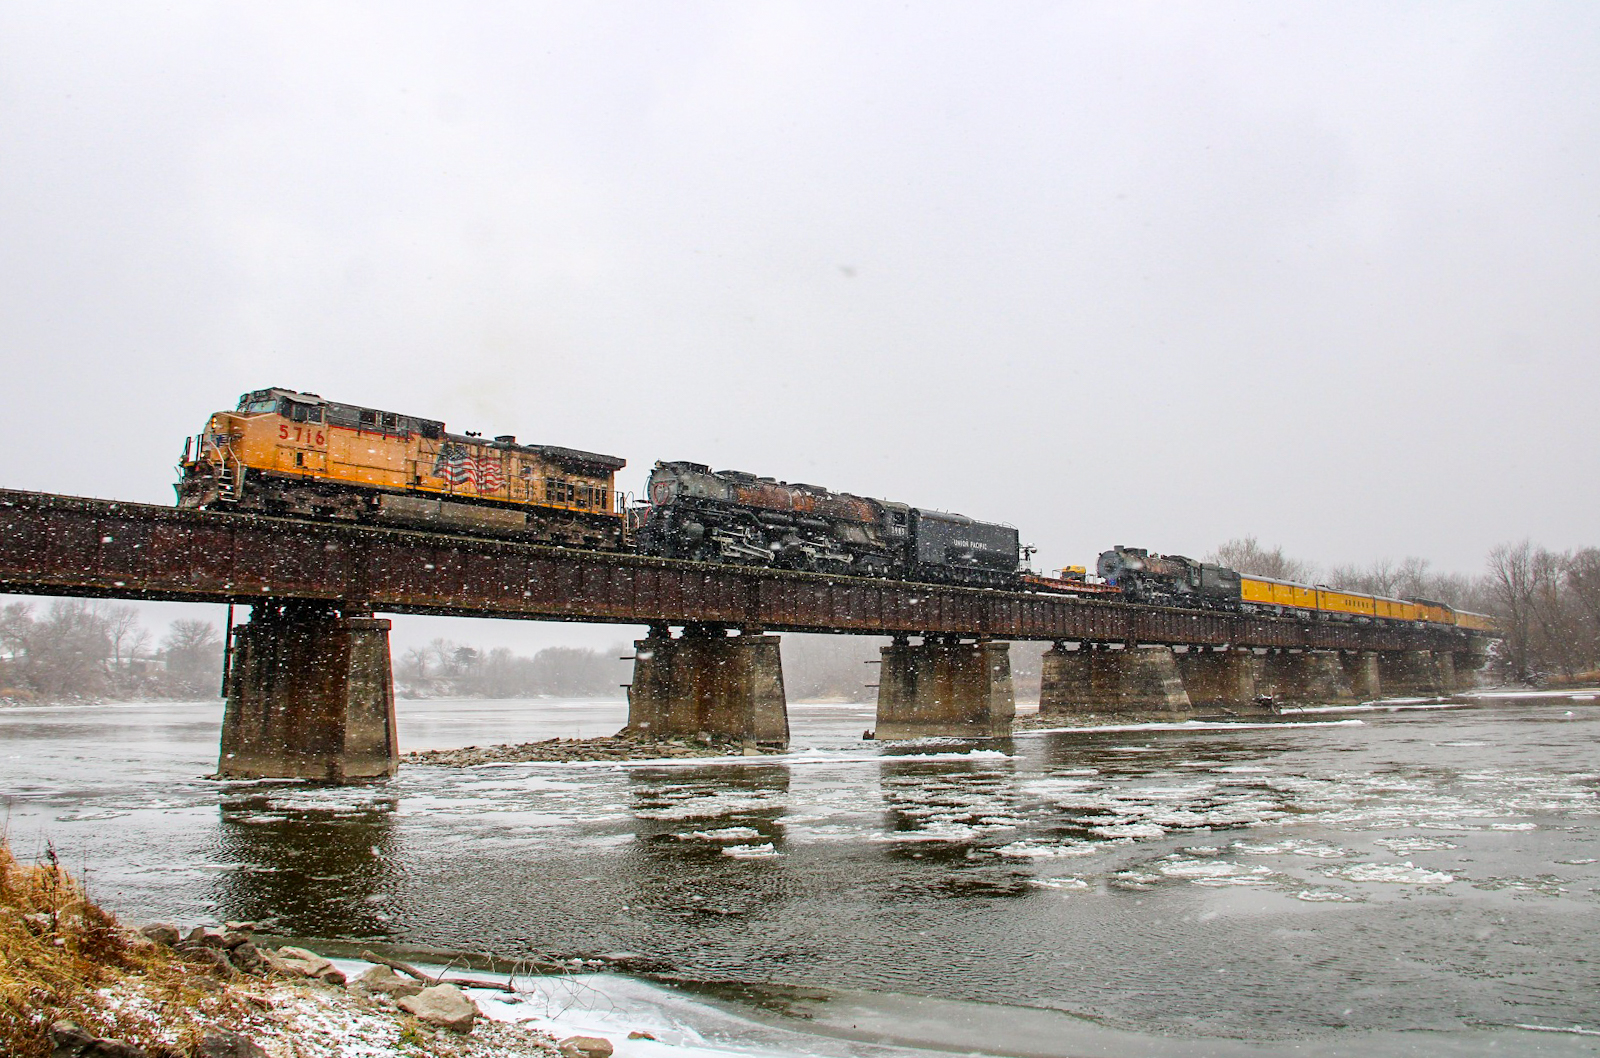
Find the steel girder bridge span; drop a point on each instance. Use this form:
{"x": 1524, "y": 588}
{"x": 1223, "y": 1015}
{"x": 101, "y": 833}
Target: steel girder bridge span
{"x": 310, "y": 692}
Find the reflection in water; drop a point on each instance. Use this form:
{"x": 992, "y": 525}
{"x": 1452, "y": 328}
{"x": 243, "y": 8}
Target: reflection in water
{"x": 953, "y": 814}
{"x": 1267, "y": 883}
{"x": 309, "y": 871}
{"x": 709, "y": 842}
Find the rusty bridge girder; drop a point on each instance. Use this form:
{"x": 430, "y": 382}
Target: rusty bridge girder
{"x": 75, "y": 546}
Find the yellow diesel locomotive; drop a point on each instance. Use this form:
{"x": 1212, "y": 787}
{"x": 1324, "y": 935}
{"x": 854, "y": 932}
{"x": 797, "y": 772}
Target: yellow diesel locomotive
{"x": 289, "y": 453}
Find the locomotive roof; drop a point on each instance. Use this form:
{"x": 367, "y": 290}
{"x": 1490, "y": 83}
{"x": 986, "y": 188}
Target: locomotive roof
{"x": 1342, "y": 591}
{"x": 568, "y": 457}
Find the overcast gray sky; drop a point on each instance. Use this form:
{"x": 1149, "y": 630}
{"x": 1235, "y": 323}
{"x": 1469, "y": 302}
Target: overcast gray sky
{"x": 1151, "y": 274}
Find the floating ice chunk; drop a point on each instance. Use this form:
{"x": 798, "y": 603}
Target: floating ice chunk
{"x": 1415, "y": 844}
{"x": 1325, "y": 896}
{"x": 1214, "y": 872}
{"x": 721, "y": 834}
{"x": 752, "y": 852}
{"x": 1135, "y": 878}
{"x": 1321, "y": 852}
{"x": 1128, "y": 830}
{"x": 1405, "y": 873}
{"x": 1032, "y": 850}
{"x": 1059, "y": 883}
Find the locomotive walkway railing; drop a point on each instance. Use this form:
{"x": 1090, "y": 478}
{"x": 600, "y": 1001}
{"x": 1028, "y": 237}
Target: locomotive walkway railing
{"x": 65, "y": 545}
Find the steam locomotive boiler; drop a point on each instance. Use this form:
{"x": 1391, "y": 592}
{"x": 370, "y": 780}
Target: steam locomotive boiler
{"x": 1168, "y": 580}
{"x": 730, "y": 516}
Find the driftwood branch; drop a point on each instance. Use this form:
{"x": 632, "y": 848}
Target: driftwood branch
{"x": 412, "y": 971}
{"x": 396, "y": 964}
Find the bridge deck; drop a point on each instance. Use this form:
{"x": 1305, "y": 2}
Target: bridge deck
{"x": 67, "y": 545}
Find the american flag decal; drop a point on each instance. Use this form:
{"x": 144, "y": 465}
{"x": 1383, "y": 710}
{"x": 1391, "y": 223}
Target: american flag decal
{"x": 457, "y": 465}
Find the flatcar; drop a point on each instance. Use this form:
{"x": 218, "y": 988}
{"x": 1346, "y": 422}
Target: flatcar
{"x": 291, "y": 453}
{"x": 1173, "y": 580}
{"x": 731, "y": 516}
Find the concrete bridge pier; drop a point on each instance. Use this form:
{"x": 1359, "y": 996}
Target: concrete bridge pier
{"x": 310, "y": 696}
{"x": 1220, "y": 679}
{"x": 1361, "y": 669}
{"x": 707, "y": 682}
{"x": 1307, "y": 676}
{"x": 1063, "y": 679}
{"x": 1467, "y": 665}
{"x": 945, "y": 688}
{"x": 1444, "y": 668}
{"x": 1142, "y": 682}
{"x": 1408, "y": 672}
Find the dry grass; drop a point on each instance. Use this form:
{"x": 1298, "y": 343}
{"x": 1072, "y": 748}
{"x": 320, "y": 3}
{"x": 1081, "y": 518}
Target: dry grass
{"x": 61, "y": 956}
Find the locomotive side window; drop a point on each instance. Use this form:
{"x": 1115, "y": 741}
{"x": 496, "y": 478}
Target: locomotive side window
{"x": 558, "y": 491}
{"x": 368, "y": 419}
{"x": 391, "y": 422}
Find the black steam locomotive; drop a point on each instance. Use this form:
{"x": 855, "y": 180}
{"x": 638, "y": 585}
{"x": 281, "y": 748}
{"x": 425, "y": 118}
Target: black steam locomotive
{"x": 730, "y": 516}
{"x": 1168, "y": 580}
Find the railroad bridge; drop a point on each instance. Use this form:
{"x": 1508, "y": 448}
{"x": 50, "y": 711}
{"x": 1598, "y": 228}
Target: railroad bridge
{"x": 310, "y": 693}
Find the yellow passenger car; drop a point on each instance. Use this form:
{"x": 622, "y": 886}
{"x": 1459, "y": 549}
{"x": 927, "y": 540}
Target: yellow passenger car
{"x": 1277, "y": 594}
{"x": 284, "y": 452}
{"x": 1344, "y": 605}
{"x": 1394, "y": 609}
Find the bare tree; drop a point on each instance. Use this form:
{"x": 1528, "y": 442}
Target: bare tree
{"x": 414, "y": 664}
{"x": 1583, "y": 580}
{"x": 194, "y": 656}
{"x": 1379, "y": 578}
{"x": 1513, "y": 585}
{"x": 64, "y": 654}
{"x": 122, "y": 629}
{"x": 444, "y": 651}
{"x": 1246, "y": 555}
{"x": 16, "y": 621}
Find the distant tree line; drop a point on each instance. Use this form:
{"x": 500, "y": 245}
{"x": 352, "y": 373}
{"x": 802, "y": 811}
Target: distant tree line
{"x": 1547, "y": 602}
{"x": 78, "y": 650}
{"x": 445, "y": 669}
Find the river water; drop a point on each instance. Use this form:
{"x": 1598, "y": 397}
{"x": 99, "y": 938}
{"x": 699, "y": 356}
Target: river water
{"x": 1415, "y": 879}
